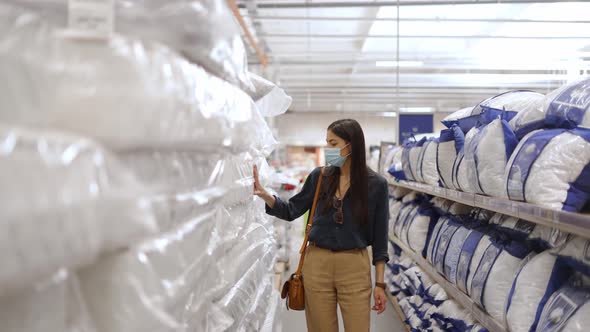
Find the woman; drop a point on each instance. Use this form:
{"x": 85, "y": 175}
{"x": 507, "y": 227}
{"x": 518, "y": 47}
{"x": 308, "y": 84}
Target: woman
{"x": 352, "y": 214}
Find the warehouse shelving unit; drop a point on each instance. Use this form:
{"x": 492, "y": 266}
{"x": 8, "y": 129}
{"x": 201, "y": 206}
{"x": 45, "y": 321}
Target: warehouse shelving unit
{"x": 575, "y": 223}
{"x": 478, "y": 313}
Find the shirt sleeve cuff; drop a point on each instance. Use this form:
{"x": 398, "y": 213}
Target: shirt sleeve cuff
{"x": 273, "y": 211}
{"x": 380, "y": 258}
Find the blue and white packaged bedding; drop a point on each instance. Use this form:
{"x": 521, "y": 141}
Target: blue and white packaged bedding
{"x": 465, "y": 119}
{"x": 459, "y": 177}
{"x": 538, "y": 278}
{"x": 569, "y": 106}
{"x": 486, "y": 153}
{"x": 427, "y": 164}
{"x": 509, "y": 104}
{"x": 495, "y": 274}
{"x": 410, "y": 156}
{"x": 567, "y": 310}
{"x": 551, "y": 168}
{"x": 450, "y": 143}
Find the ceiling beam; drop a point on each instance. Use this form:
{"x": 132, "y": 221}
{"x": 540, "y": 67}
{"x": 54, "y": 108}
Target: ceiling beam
{"x": 403, "y": 3}
{"x": 412, "y": 19}
{"x": 284, "y": 36}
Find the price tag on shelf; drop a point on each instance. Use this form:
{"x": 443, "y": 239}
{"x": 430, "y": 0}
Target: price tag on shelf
{"x": 92, "y": 19}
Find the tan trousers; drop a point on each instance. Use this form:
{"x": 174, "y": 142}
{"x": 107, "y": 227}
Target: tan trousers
{"x": 342, "y": 278}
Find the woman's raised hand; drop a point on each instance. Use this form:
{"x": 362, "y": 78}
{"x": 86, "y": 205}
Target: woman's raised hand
{"x": 260, "y": 191}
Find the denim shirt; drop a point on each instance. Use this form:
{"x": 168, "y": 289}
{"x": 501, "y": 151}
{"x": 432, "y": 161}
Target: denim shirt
{"x": 326, "y": 233}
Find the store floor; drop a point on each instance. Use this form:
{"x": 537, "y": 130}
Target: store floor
{"x": 294, "y": 321}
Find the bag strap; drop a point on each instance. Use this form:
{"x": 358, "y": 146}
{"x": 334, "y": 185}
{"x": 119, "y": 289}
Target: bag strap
{"x": 309, "y": 223}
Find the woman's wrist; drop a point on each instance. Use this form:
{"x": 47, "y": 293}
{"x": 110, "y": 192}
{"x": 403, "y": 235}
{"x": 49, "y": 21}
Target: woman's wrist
{"x": 269, "y": 199}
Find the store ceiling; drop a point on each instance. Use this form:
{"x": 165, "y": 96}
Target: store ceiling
{"x": 348, "y": 56}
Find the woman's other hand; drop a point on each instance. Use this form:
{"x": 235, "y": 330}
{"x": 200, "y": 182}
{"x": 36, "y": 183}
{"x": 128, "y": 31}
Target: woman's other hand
{"x": 261, "y": 192}
{"x": 380, "y": 300}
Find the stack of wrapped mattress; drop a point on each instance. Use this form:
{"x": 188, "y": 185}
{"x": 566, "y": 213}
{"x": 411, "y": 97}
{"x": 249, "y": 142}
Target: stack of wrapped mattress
{"x": 127, "y": 170}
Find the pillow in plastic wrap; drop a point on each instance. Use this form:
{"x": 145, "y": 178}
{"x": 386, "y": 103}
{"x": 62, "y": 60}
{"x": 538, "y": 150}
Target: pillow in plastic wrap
{"x": 427, "y": 165}
{"x": 510, "y": 104}
{"x": 52, "y": 305}
{"x": 531, "y": 117}
{"x": 197, "y": 29}
{"x": 404, "y": 220}
{"x": 410, "y": 160}
{"x": 122, "y": 92}
{"x": 576, "y": 253}
{"x": 419, "y": 279}
{"x": 465, "y": 119}
{"x": 516, "y": 228}
{"x": 496, "y": 271}
{"x": 65, "y": 201}
{"x": 450, "y": 143}
{"x": 392, "y": 165}
{"x": 270, "y": 99}
{"x": 442, "y": 243}
{"x": 486, "y": 155}
{"x": 432, "y": 242}
{"x": 551, "y": 168}
{"x": 568, "y": 310}
{"x": 450, "y": 312}
{"x": 418, "y": 228}
{"x": 436, "y": 294}
{"x": 459, "y": 177}
{"x": 569, "y": 106}
{"x": 538, "y": 278}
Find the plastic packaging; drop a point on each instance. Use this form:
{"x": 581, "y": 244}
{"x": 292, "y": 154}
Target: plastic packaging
{"x": 270, "y": 99}
{"x": 509, "y": 104}
{"x": 460, "y": 167}
{"x": 568, "y": 310}
{"x": 569, "y": 106}
{"x": 486, "y": 155}
{"x": 465, "y": 119}
{"x": 122, "y": 92}
{"x": 54, "y": 304}
{"x": 536, "y": 281}
{"x": 65, "y": 201}
{"x": 451, "y": 142}
{"x": 428, "y": 170}
{"x": 181, "y": 278}
{"x": 204, "y": 31}
{"x": 551, "y": 168}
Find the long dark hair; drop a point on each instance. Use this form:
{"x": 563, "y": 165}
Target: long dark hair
{"x": 351, "y": 132}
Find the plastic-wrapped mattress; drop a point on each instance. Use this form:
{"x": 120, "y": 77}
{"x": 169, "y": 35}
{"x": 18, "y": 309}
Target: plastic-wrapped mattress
{"x": 66, "y": 200}
{"x": 200, "y": 30}
{"x": 124, "y": 93}
{"x": 551, "y": 168}
{"x": 175, "y": 279}
{"x": 486, "y": 155}
{"x": 52, "y": 305}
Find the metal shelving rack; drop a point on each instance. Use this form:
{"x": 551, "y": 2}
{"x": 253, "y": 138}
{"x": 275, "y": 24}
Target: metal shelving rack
{"x": 575, "y": 223}
{"x": 478, "y": 314}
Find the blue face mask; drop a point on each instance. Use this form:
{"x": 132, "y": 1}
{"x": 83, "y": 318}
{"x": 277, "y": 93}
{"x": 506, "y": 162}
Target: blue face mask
{"x": 334, "y": 158}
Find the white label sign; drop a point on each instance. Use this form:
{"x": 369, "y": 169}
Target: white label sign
{"x": 91, "y": 18}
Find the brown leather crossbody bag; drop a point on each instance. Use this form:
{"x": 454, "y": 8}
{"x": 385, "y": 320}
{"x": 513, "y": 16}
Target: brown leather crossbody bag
{"x": 293, "y": 290}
